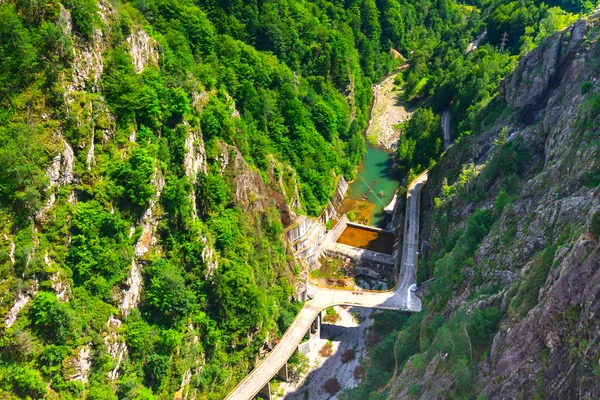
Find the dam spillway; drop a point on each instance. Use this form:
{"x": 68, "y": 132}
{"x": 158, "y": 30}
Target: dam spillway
{"x": 369, "y": 239}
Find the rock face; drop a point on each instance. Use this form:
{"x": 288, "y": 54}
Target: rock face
{"x": 249, "y": 190}
{"x": 142, "y": 49}
{"x": 549, "y": 350}
{"x": 538, "y": 72}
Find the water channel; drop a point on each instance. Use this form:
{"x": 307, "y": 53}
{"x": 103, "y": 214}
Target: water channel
{"x": 375, "y": 183}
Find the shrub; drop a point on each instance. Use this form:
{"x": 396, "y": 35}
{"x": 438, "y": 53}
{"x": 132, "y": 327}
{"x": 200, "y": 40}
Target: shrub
{"x": 134, "y": 177}
{"x": 167, "y": 296}
{"x": 347, "y": 356}
{"x": 586, "y": 87}
{"x": 351, "y": 216}
{"x": 326, "y": 350}
{"x": 28, "y": 382}
{"x": 484, "y": 325}
{"x": 358, "y": 373}
{"x": 53, "y": 319}
{"x": 595, "y": 225}
{"x": 332, "y": 386}
{"x": 331, "y": 316}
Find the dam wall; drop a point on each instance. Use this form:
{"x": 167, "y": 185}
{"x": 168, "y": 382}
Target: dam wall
{"x": 308, "y": 237}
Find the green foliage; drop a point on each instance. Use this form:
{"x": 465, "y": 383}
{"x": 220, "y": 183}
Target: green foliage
{"x": 167, "y": 297}
{"x": 98, "y": 255}
{"x": 83, "y": 16}
{"x": 484, "y": 325}
{"x": 527, "y": 296}
{"x": 241, "y": 301}
{"x": 421, "y": 142}
{"x": 133, "y": 178}
{"x": 28, "y": 382}
{"x": 22, "y": 182}
{"x": 595, "y": 225}
{"x": 156, "y": 370}
{"x": 213, "y": 193}
{"x": 18, "y": 55}
{"x": 286, "y": 83}
{"x": 462, "y": 376}
{"x": 586, "y": 87}
{"x": 52, "y": 319}
{"x": 351, "y": 216}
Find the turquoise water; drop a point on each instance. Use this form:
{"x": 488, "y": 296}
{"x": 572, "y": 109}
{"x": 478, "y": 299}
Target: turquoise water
{"x": 375, "y": 172}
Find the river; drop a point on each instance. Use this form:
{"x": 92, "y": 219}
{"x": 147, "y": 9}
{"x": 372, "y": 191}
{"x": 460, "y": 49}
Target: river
{"x": 375, "y": 183}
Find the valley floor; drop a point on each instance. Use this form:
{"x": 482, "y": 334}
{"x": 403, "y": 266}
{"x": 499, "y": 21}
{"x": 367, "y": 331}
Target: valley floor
{"x": 350, "y": 332}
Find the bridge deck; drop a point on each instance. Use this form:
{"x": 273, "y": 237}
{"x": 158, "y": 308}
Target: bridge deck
{"x": 399, "y": 298}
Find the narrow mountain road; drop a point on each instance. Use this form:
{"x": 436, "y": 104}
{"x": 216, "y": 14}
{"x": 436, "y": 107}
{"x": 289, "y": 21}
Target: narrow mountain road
{"x": 398, "y": 298}
{"x": 446, "y": 129}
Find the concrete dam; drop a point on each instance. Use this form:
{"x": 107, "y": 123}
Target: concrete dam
{"x": 310, "y": 237}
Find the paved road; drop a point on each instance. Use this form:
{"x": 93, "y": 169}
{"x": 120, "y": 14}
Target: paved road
{"x": 446, "y": 129}
{"x": 399, "y": 298}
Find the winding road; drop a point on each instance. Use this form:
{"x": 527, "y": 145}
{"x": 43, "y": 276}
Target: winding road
{"x": 397, "y": 298}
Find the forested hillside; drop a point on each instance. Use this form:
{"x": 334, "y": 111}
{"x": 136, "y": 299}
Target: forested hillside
{"x": 511, "y": 215}
{"x": 152, "y": 151}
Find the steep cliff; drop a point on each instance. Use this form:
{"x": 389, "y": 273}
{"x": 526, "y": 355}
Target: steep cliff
{"x": 512, "y": 217}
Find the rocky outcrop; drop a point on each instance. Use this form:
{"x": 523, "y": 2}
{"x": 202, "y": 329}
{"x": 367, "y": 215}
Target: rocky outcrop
{"x": 142, "y": 49}
{"x": 537, "y": 73}
{"x": 209, "y": 258}
{"x": 88, "y": 62}
{"x": 195, "y": 156}
{"x": 249, "y": 190}
{"x": 81, "y": 363}
{"x": 22, "y": 300}
{"x": 60, "y": 171}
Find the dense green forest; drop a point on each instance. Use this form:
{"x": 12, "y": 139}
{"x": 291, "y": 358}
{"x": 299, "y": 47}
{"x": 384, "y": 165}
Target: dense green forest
{"x": 100, "y": 105}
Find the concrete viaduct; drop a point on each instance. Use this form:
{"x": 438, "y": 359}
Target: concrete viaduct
{"x": 397, "y": 298}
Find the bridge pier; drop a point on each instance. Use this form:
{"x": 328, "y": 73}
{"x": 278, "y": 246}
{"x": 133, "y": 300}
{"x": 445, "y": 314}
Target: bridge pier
{"x": 316, "y": 325}
{"x": 265, "y": 392}
{"x": 283, "y": 373}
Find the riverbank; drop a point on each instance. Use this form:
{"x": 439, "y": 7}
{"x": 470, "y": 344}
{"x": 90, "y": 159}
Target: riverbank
{"x": 387, "y": 113}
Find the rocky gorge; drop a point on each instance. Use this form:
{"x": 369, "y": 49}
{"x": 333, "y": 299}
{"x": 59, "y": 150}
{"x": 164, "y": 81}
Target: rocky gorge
{"x": 529, "y": 178}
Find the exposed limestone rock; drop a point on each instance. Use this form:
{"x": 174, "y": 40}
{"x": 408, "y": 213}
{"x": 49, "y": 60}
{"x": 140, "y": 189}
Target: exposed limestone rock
{"x": 149, "y": 219}
{"x": 195, "y": 155}
{"x": 88, "y": 62}
{"x": 549, "y": 349}
{"x": 60, "y": 286}
{"x": 537, "y": 72}
{"x": 82, "y": 363}
{"x": 41, "y": 214}
{"x": 90, "y": 159}
{"x": 250, "y": 192}
{"x": 199, "y": 100}
{"x": 60, "y": 171}
{"x": 64, "y": 21}
{"x": 22, "y": 300}
{"x": 116, "y": 348}
{"x": 131, "y": 296}
{"x": 209, "y": 258}
{"x": 142, "y": 49}
{"x": 11, "y": 253}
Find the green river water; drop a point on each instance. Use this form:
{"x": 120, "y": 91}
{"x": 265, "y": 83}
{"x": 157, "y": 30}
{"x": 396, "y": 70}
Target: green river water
{"x": 376, "y": 173}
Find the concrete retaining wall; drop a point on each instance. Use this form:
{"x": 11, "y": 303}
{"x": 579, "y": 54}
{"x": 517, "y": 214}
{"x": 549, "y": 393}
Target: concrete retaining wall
{"x": 362, "y": 257}
{"x": 334, "y": 204}
{"x": 299, "y": 229}
{"x": 370, "y": 228}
